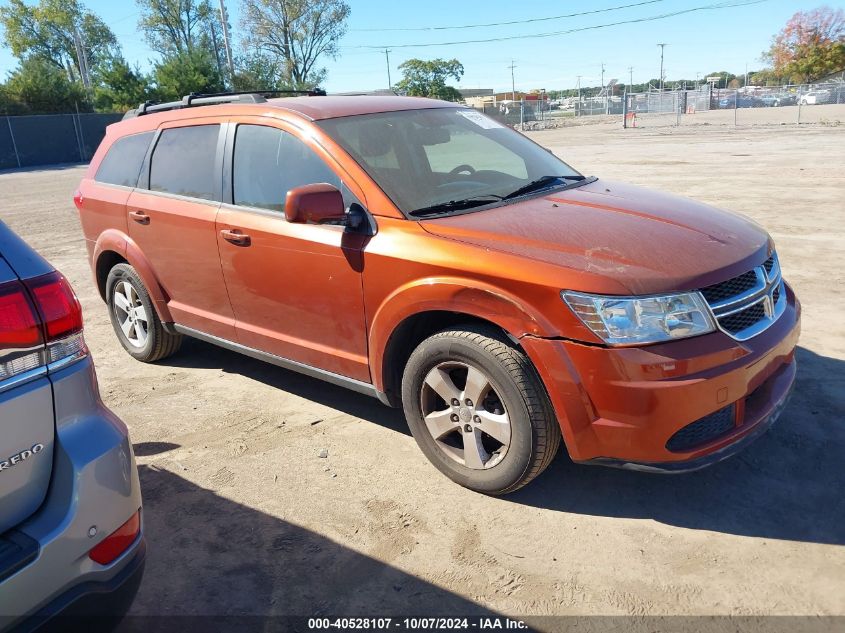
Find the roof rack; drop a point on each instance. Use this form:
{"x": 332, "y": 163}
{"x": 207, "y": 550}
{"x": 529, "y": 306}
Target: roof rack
{"x": 196, "y": 99}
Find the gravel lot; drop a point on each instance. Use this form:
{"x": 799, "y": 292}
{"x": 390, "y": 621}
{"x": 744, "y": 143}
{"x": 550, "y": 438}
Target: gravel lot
{"x": 243, "y": 517}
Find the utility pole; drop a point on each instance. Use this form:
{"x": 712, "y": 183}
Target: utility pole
{"x": 81, "y": 58}
{"x": 578, "y": 110}
{"x": 662, "y": 46}
{"x": 513, "y": 82}
{"x": 387, "y": 59}
{"x": 746, "y": 74}
{"x": 631, "y": 76}
{"x": 602, "y": 76}
{"x": 224, "y": 19}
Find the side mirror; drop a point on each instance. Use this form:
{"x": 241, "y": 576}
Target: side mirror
{"x": 320, "y": 203}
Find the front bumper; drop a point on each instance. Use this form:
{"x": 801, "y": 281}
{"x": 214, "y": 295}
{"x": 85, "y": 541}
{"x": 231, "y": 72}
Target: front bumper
{"x": 621, "y": 406}
{"x": 94, "y": 483}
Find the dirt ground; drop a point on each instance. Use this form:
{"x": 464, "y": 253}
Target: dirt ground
{"x": 243, "y": 517}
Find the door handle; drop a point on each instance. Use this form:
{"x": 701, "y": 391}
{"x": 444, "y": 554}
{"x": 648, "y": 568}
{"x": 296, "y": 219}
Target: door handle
{"x": 140, "y": 217}
{"x": 235, "y": 237}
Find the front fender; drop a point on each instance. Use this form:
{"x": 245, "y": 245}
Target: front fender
{"x": 113, "y": 240}
{"x": 450, "y": 294}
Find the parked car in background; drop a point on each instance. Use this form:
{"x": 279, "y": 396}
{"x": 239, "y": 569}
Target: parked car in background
{"x": 777, "y": 100}
{"x": 71, "y": 537}
{"x": 420, "y": 252}
{"x": 815, "y": 97}
{"x": 743, "y": 101}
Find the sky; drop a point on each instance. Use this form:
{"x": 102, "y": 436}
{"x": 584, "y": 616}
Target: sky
{"x": 697, "y": 42}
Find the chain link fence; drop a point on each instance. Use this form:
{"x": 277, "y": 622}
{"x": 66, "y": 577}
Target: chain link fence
{"x": 46, "y": 139}
{"x": 701, "y": 105}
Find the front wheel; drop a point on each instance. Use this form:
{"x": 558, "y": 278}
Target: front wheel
{"x": 478, "y": 410}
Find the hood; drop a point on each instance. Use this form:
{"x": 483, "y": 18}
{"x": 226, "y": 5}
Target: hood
{"x": 647, "y": 241}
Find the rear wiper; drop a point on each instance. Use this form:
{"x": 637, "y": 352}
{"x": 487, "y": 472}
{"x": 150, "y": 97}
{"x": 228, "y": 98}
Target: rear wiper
{"x": 457, "y": 205}
{"x": 541, "y": 183}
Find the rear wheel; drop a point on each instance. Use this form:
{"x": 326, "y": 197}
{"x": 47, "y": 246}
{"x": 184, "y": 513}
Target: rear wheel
{"x": 134, "y": 318}
{"x": 478, "y": 410}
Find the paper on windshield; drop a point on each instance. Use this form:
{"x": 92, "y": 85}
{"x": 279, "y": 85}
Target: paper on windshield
{"x": 479, "y": 119}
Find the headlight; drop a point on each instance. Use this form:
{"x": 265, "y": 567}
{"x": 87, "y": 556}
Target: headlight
{"x": 631, "y": 320}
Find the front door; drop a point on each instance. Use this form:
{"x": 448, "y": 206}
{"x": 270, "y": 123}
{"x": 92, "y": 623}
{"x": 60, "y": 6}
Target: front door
{"x": 172, "y": 217}
{"x": 295, "y": 288}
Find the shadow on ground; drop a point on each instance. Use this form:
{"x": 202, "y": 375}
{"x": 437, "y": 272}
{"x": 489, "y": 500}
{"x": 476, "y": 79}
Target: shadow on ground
{"x": 199, "y": 354}
{"x": 786, "y": 485}
{"x": 247, "y": 563}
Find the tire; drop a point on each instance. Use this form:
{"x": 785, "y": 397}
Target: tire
{"x": 479, "y": 361}
{"x": 145, "y": 337}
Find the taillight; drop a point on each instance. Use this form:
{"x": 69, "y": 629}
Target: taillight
{"x": 61, "y": 316}
{"x": 40, "y": 324}
{"x": 117, "y": 542}
{"x": 19, "y": 327}
{"x": 58, "y": 305}
{"x": 20, "y": 332}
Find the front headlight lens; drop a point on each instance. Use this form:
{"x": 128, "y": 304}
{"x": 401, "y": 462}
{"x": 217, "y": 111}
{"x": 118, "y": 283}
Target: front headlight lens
{"x": 632, "y": 320}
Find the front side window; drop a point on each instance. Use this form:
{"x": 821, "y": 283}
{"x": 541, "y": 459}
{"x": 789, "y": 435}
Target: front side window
{"x": 122, "y": 163}
{"x": 446, "y": 158}
{"x": 183, "y": 161}
{"x": 269, "y": 162}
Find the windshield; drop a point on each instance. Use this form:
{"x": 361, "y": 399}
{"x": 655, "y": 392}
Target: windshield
{"x": 446, "y": 159}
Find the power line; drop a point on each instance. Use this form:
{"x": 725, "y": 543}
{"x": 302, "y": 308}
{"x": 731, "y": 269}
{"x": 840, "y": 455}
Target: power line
{"x": 721, "y": 5}
{"x": 512, "y": 22}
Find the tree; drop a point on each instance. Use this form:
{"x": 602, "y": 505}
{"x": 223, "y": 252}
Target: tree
{"x": 122, "y": 87}
{"x": 46, "y": 31}
{"x": 422, "y": 78}
{"x": 295, "y": 34}
{"x": 181, "y": 74}
{"x": 256, "y": 71}
{"x": 38, "y": 86}
{"x": 810, "y": 46}
{"x": 174, "y": 27}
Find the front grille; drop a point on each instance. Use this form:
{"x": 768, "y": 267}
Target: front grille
{"x": 703, "y": 431}
{"x": 749, "y": 303}
{"x": 769, "y": 264}
{"x": 731, "y": 287}
{"x": 743, "y": 320}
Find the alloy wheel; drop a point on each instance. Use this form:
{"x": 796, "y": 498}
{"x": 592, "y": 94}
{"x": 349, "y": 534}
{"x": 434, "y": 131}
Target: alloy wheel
{"x": 131, "y": 314}
{"x": 465, "y": 415}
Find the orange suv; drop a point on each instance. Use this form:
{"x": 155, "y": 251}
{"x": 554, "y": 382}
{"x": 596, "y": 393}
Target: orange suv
{"x": 419, "y": 252}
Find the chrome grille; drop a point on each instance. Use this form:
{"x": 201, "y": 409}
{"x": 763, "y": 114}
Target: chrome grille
{"x": 748, "y": 304}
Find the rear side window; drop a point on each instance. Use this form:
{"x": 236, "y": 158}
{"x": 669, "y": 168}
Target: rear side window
{"x": 268, "y": 162}
{"x": 183, "y": 161}
{"x": 122, "y": 163}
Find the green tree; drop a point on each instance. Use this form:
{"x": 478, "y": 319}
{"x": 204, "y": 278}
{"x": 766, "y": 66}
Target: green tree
{"x": 256, "y": 71}
{"x": 175, "y": 27}
{"x": 46, "y": 31}
{"x": 38, "y": 86}
{"x": 810, "y": 46}
{"x": 178, "y": 75}
{"x": 421, "y": 78}
{"x": 294, "y": 35}
{"x": 121, "y": 88}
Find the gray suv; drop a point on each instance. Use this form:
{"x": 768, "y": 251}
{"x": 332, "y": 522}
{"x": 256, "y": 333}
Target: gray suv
{"x": 71, "y": 530}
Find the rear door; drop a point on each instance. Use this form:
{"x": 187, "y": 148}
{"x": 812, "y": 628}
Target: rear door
{"x": 295, "y": 288}
{"x": 26, "y": 398}
{"x": 172, "y": 215}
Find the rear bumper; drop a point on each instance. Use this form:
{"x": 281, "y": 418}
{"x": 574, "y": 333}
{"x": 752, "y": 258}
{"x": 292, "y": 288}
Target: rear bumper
{"x": 621, "y": 406}
{"x": 95, "y": 602}
{"x": 94, "y": 489}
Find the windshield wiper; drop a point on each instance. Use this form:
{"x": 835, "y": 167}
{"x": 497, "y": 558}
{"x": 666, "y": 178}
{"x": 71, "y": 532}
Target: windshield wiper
{"x": 543, "y": 182}
{"x": 457, "y": 205}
